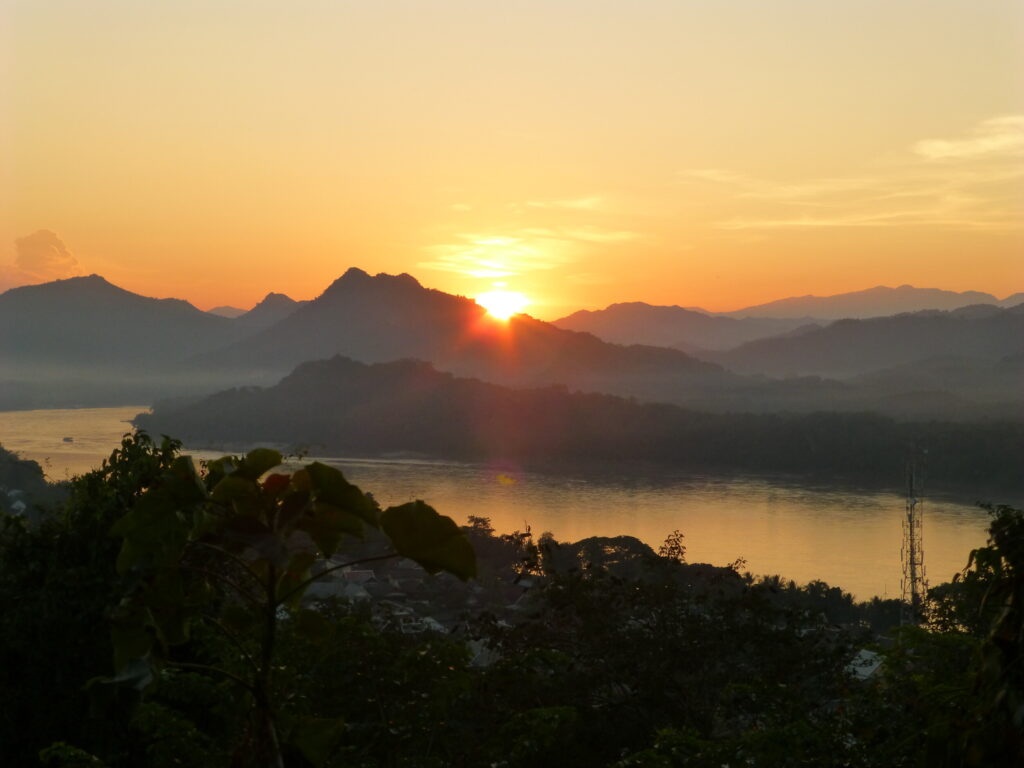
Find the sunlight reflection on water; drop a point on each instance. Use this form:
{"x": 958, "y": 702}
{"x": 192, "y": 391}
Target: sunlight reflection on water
{"x": 849, "y": 537}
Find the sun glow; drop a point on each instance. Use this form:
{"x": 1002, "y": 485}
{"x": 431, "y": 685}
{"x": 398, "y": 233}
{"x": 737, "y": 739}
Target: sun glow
{"x": 502, "y": 304}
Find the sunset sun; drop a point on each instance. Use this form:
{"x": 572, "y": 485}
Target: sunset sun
{"x": 502, "y": 304}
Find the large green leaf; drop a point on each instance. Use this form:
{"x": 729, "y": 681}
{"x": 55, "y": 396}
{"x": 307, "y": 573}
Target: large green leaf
{"x": 233, "y": 489}
{"x": 184, "y": 481}
{"x": 434, "y": 541}
{"x": 248, "y": 535}
{"x": 257, "y": 462}
{"x": 330, "y": 485}
{"x": 154, "y": 533}
{"x": 327, "y": 524}
{"x": 292, "y": 507}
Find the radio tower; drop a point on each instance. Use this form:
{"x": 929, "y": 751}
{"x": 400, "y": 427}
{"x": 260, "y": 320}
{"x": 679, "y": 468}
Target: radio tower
{"x": 915, "y": 588}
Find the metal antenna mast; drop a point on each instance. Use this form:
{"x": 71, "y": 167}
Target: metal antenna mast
{"x": 915, "y": 588}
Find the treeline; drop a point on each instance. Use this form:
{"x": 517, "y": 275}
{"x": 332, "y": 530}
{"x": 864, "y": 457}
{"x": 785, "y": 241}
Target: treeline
{"x": 23, "y": 486}
{"x": 343, "y": 407}
{"x": 612, "y": 655}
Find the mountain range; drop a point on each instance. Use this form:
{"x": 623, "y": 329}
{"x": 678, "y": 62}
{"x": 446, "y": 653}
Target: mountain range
{"x": 84, "y": 341}
{"x": 696, "y": 330}
{"x": 853, "y": 347}
{"x": 89, "y": 321}
{"x": 686, "y": 329}
{"x": 341, "y": 407}
{"x": 873, "y": 302}
{"x": 389, "y": 317}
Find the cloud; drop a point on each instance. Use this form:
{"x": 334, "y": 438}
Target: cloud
{"x": 600, "y": 235}
{"x": 39, "y": 257}
{"x": 44, "y": 255}
{"x": 994, "y": 137}
{"x": 493, "y": 256}
{"x": 585, "y": 234}
{"x": 589, "y": 203}
{"x": 520, "y": 251}
{"x": 719, "y": 175}
{"x": 982, "y": 191}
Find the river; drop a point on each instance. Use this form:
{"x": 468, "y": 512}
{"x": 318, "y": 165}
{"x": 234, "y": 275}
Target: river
{"x": 846, "y": 536}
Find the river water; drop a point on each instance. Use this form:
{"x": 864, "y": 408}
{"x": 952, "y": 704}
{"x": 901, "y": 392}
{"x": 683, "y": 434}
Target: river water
{"x": 847, "y": 536}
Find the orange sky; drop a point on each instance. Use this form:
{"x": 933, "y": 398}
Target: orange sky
{"x": 716, "y": 154}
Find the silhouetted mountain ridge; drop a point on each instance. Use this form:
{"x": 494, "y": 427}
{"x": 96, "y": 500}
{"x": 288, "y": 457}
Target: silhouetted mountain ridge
{"x": 87, "y": 320}
{"x": 853, "y": 347}
{"x": 872, "y": 302}
{"x": 273, "y": 308}
{"x": 227, "y": 311}
{"x": 689, "y": 330}
{"x": 387, "y": 317}
{"x": 345, "y": 408}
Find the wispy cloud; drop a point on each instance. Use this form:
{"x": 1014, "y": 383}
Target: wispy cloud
{"x": 492, "y": 256}
{"x": 520, "y": 251}
{"x": 980, "y": 192}
{"x": 589, "y": 203}
{"x": 584, "y": 234}
{"x": 997, "y": 136}
{"x": 38, "y": 258}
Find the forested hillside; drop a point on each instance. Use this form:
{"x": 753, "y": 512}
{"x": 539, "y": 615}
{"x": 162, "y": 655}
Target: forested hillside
{"x": 341, "y": 407}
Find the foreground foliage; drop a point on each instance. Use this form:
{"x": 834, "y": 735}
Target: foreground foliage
{"x": 596, "y": 653}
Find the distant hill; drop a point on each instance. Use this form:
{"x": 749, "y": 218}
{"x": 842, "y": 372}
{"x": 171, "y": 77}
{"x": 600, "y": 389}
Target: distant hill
{"x": 227, "y": 311}
{"x": 689, "y": 330}
{"x": 853, "y": 347}
{"x": 272, "y": 309}
{"x": 389, "y": 317}
{"x": 85, "y": 342}
{"x": 998, "y": 382}
{"x": 1012, "y": 300}
{"x": 873, "y": 302}
{"x": 89, "y": 321}
{"x": 341, "y": 407}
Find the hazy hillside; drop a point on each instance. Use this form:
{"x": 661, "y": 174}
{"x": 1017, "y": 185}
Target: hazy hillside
{"x": 272, "y": 309}
{"x": 980, "y": 380}
{"x": 639, "y": 323}
{"x": 853, "y": 347}
{"x": 227, "y": 311}
{"x": 84, "y": 341}
{"x": 872, "y": 302}
{"x": 342, "y": 407}
{"x": 388, "y": 317}
{"x": 86, "y": 320}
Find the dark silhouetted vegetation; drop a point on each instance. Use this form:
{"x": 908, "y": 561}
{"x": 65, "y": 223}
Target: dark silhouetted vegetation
{"x": 142, "y": 649}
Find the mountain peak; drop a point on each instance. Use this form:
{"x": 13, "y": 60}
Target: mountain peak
{"x": 273, "y": 299}
{"x": 356, "y": 279}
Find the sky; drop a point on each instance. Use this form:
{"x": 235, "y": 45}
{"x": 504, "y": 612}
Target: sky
{"x": 703, "y": 153}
